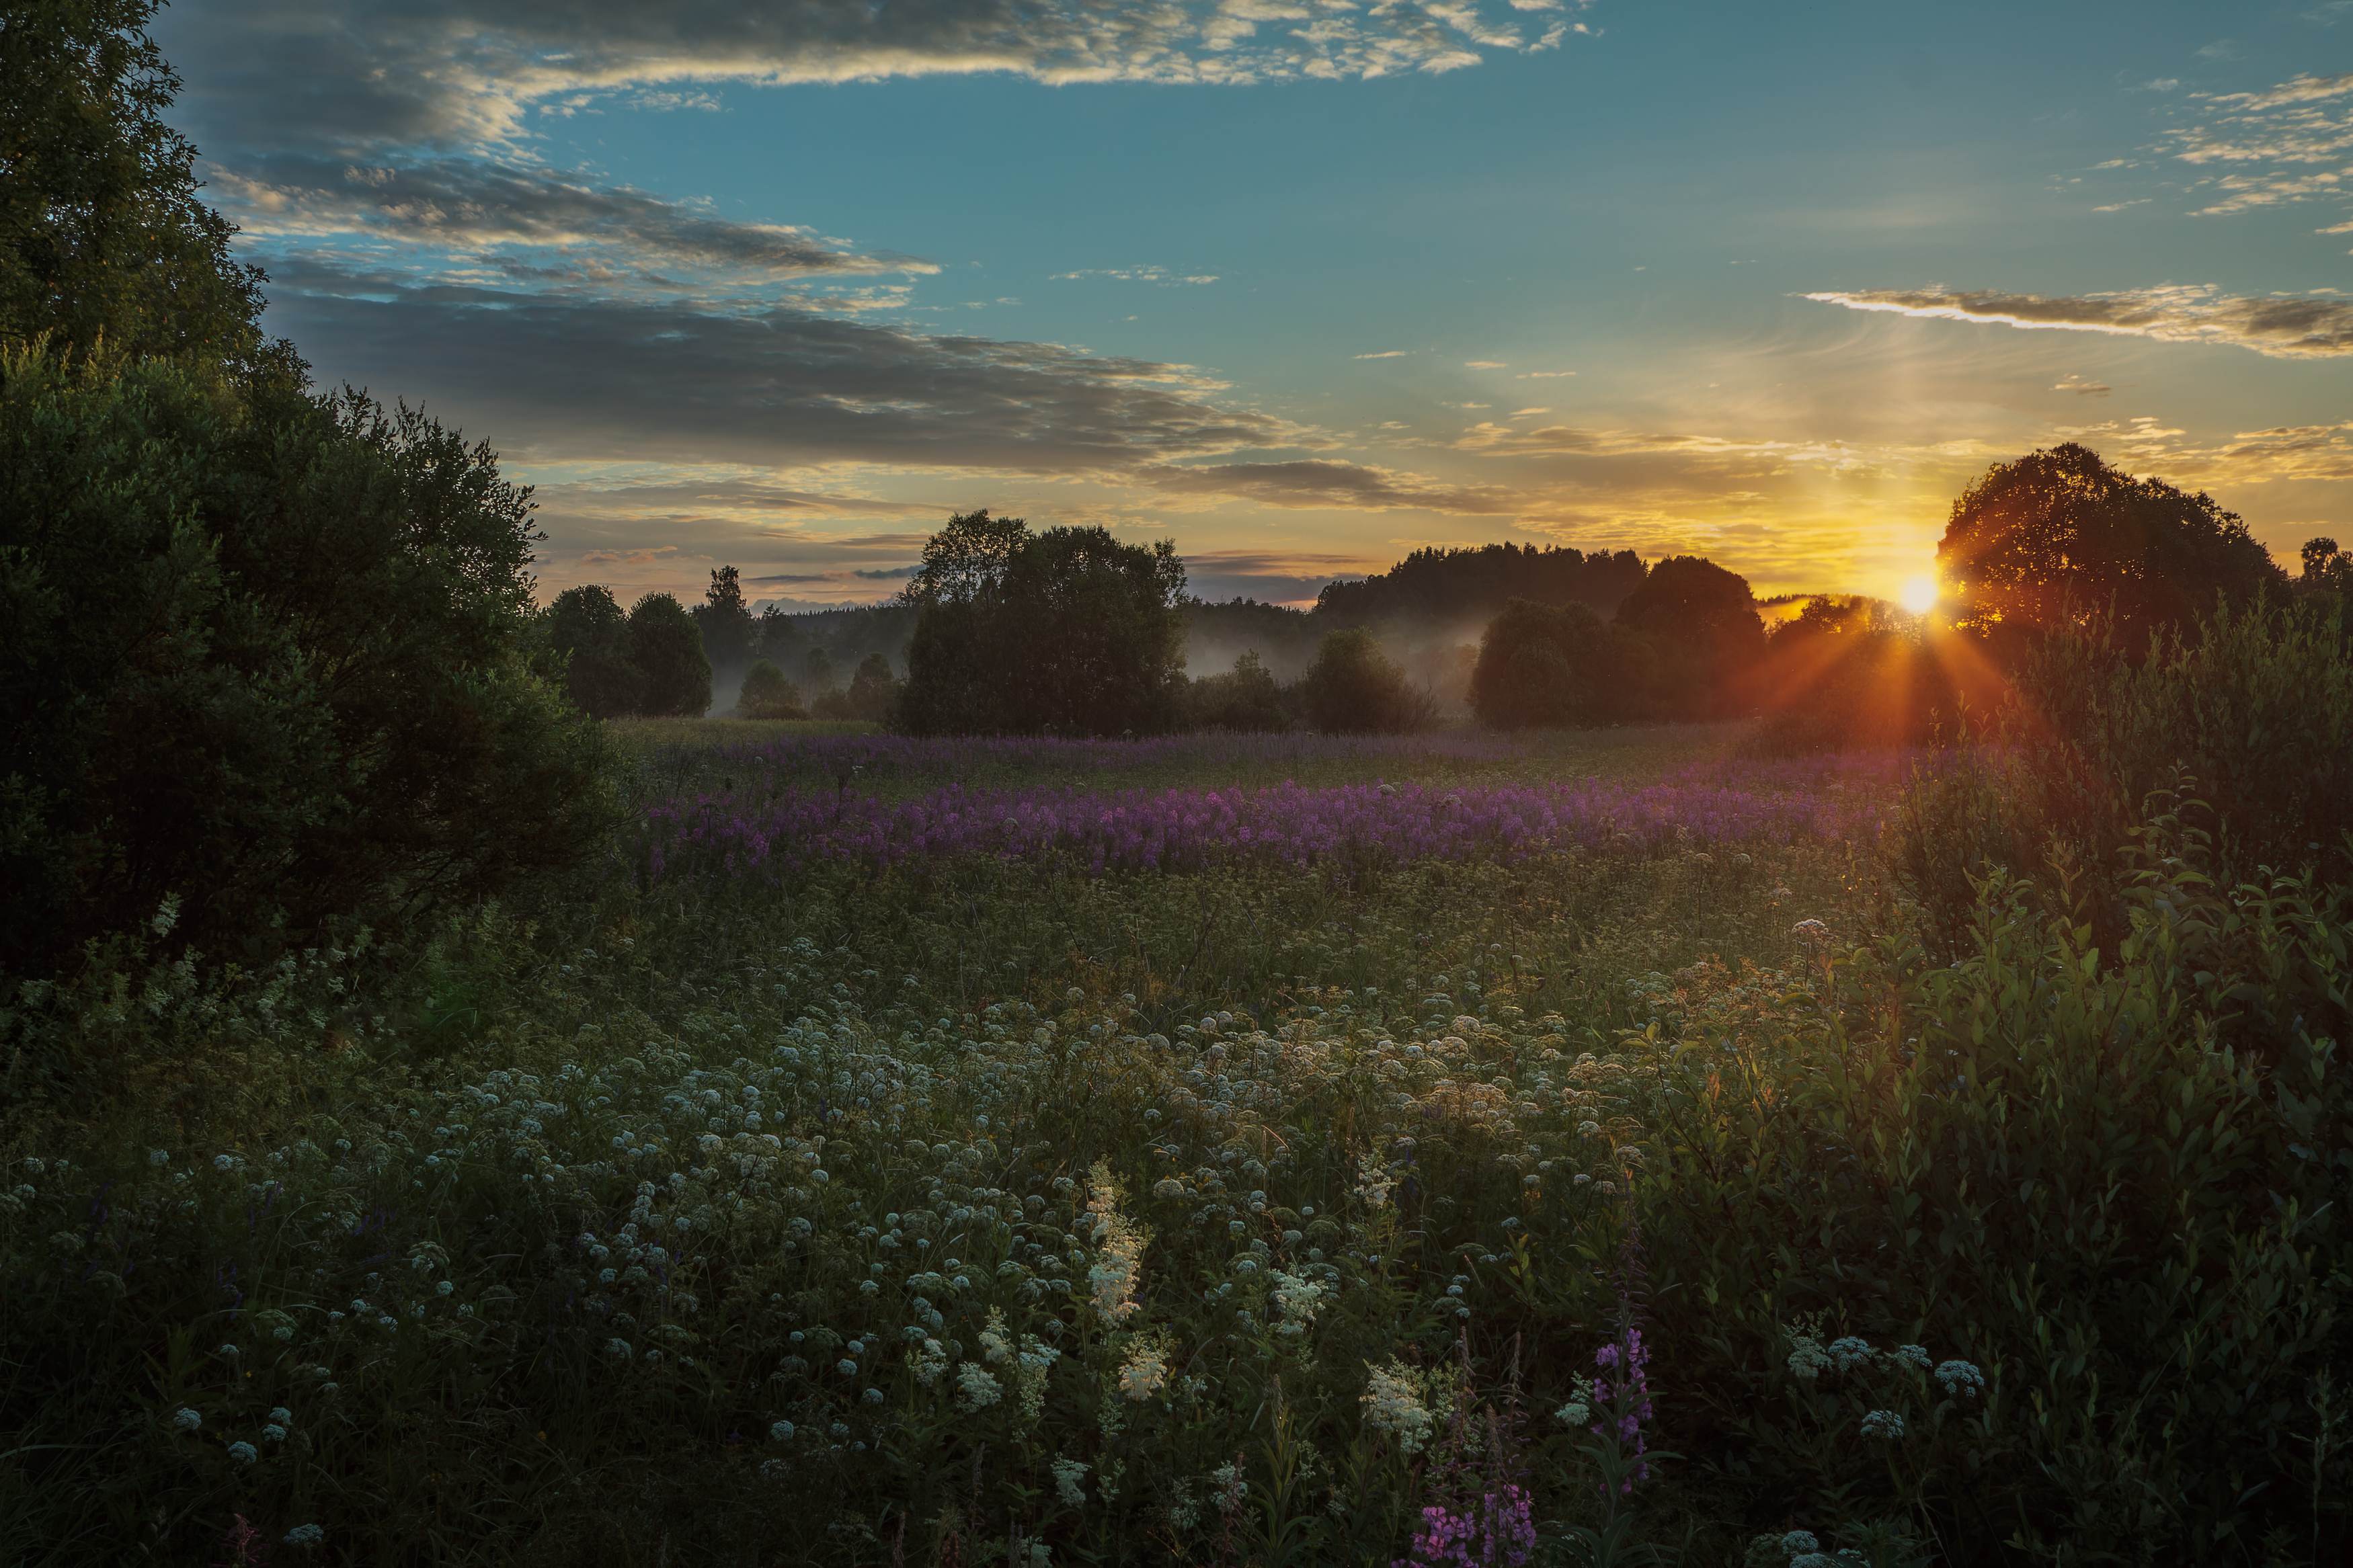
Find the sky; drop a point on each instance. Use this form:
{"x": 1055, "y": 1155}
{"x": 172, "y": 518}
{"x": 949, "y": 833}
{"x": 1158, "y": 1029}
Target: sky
{"x": 1303, "y": 285}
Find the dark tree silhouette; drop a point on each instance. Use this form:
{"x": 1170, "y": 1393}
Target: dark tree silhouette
{"x": 2059, "y": 536}
{"x": 1704, "y": 621}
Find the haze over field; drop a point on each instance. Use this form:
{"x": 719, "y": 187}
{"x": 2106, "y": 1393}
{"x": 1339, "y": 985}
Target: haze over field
{"x": 1304, "y": 283}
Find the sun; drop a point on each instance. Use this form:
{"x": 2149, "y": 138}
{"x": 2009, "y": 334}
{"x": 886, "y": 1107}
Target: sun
{"x": 1919, "y": 595}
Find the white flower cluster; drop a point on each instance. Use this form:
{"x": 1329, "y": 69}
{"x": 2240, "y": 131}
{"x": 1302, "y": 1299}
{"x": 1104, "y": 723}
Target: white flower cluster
{"x": 1393, "y": 1405}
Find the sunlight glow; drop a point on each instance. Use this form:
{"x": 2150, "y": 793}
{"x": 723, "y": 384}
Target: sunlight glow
{"x": 1919, "y": 595}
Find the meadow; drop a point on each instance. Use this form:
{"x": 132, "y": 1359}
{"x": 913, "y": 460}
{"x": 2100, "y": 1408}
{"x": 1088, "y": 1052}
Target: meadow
{"x": 1278, "y": 1149}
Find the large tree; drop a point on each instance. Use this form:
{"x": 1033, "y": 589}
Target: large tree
{"x": 1069, "y": 630}
{"x": 667, "y": 647}
{"x": 1704, "y": 622}
{"x": 2059, "y": 536}
{"x": 729, "y": 632}
{"x": 587, "y": 626}
{"x": 1547, "y": 666}
{"x": 103, "y": 237}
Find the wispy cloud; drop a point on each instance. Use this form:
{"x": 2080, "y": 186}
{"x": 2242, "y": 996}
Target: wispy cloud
{"x": 1160, "y": 275}
{"x": 1384, "y": 353}
{"x": 2281, "y": 327}
{"x": 2080, "y": 387}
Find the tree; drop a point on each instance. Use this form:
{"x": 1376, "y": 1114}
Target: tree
{"x": 667, "y": 645}
{"x": 1559, "y": 665}
{"x": 1353, "y": 687}
{"x": 1458, "y": 582}
{"x": 766, "y": 694}
{"x": 2059, "y": 536}
{"x": 102, "y": 238}
{"x": 874, "y": 691}
{"x": 1710, "y": 639}
{"x": 1246, "y": 698}
{"x": 263, "y": 663}
{"x": 601, "y": 676}
{"x": 728, "y": 629}
{"x": 1069, "y": 630}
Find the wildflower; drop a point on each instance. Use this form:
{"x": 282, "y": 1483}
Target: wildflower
{"x": 872, "y": 1396}
{"x": 221, "y": 1161}
{"x": 1068, "y": 1475}
{"x": 273, "y": 1432}
{"x": 1587, "y": 1129}
{"x": 282, "y": 1415}
{"x": 1884, "y": 1424}
{"x": 1144, "y": 1373}
{"x": 243, "y": 1453}
{"x": 1810, "y": 930}
{"x": 305, "y": 1535}
{"x": 617, "y": 1347}
{"x": 1850, "y": 1352}
{"x": 444, "y": 1288}
{"x": 1959, "y": 1377}
{"x": 847, "y": 1367}
{"x": 1373, "y": 1181}
{"x": 976, "y": 1389}
{"x": 1576, "y": 1413}
{"x": 1806, "y": 1359}
{"x": 1392, "y": 1401}
{"x": 932, "y": 1364}
{"x": 1296, "y": 1296}
{"x": 158, "y": 1157}
{"x": 186, "y": 1420}
{"x": 1912, "y": 1355}
{"x": 1119, "y": 1259}
{"x": 782, "y": 1432}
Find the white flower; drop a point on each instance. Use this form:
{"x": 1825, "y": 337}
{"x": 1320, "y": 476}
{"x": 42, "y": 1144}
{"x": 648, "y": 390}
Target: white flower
{"x": 1799, "y": 1541}
{"x": 305, "y": 1535}
{"x": 1118, "y": 1267}
{"x": 1392, "y": 1404}
{"x": 1959, "y": 1377}
{"x": 1145, "y": 1372}
{"x": 1884, "y": 1424}
{"x": 186, "y": 1420}
{"x": 976, "y": 1389}
{"x": 1068, "y": 1475}
{"x": 1574, "y": 1414}
{"x": 1296, "y": 1296}
{"x": 242, "y": 1453}
{"x": 221, "y": 1161}
{"x": 273, "y": 1432}
{"x": 782, "y": 1432}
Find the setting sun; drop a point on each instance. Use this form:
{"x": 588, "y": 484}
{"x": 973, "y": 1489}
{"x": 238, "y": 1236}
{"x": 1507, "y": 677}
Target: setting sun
{"x": 1919, "y": 595}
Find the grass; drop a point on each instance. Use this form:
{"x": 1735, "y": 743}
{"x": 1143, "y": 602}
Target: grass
{"x": 987, "y": 1210}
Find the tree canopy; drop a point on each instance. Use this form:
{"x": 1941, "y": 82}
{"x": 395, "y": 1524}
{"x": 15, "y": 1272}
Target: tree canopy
{"x": 1069, "y": 630}
{"x": 263, "y": 657}
{"x": 1452, "y": 583}
{"x": 103, "y": 237}
{"x": 2059, "y": 536}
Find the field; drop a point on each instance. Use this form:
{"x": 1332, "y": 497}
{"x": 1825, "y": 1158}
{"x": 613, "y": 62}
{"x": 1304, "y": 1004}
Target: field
{"x": 1220, "y": 1149}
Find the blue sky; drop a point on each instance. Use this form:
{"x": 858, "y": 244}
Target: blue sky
{"x": 1303, "y": 284}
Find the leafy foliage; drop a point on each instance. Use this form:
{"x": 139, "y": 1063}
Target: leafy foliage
{"x": 102, "y": 240}
{"x": 766, "y": 694}
{"x": 1702, "y": 621}
{"x": 1069, "y": 630}
{"x": 1458, "y": 582}
{"x": 729, "y": 632}
{"x": 1246, "y": 698}
{"x": 2059, "y": 535}
{"x": 587, "y": 627}
{"x": 1543, "y": 665}
{"x": 1353, "y": 687}
{"x": 667, "y": 647}
{"x": 264, "y": 661}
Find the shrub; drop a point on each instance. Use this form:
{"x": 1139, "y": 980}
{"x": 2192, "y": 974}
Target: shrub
{"x": 1246, "y": 700}
{"x": 667, "y": 645}
{"x": 1353, "y": 687}
{"x": 766, "y": 694}
{"x": 263, "y": 658}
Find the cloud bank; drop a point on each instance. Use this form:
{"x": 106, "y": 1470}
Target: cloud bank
{"x": 2283, "y": 328}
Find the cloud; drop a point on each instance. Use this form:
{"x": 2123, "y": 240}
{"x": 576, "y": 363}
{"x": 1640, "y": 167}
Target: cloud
{"x": 620, "y": 381}
{"x": 443, "y": 73}
{"x": 646, "y": 557}
{"x": 472, "y": 205}
{"x": 888, "y": 573}
{"x": 2080, "y": 387}
{"x": 1544, "y": 374}
{"x": 1319, "y": 483}
{"x": 1160, "y": 275}
{"x": 1385, "y": 354}
{"x": 1468, "y": 363}
{"x": 2261, "y": 149}
{"x": 2283, "y": 328}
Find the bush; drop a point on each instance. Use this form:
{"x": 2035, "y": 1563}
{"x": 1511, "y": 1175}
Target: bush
{"x": 1858, "y": 673}
{"x": 263, "y": 660}
{"x": 1353, "y": 687}
{"x": 1547, "y": 666}
{"x": 766, "y": 694}
{"x": 667, "y": 645}
{"x": 1245, "y": 700}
